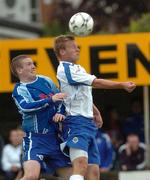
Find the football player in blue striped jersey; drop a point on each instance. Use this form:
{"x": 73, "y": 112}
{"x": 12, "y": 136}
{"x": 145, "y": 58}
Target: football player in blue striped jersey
{"x": 40, "y": 104}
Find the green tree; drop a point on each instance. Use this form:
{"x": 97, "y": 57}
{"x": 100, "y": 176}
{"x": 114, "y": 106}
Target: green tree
{"x": 54, "y": 29}
{"x": 140, "y": 25}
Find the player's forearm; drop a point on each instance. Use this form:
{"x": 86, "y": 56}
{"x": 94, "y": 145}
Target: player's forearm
{"x": 95, "y": 110}
{"x": 107, "y": 84}
{"x": 29, "y": 107}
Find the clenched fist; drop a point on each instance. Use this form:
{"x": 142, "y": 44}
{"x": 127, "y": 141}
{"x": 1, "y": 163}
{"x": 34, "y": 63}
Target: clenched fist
{"x": 129, "y": 86}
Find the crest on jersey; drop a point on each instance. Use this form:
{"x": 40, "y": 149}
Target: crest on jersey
{"x": 75, "y": 140}
{"x": 40, "y": 157}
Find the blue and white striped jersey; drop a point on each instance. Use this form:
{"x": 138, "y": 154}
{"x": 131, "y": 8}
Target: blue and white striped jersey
{"x": 35, "y": 104}
{"x": 76, "y": 82}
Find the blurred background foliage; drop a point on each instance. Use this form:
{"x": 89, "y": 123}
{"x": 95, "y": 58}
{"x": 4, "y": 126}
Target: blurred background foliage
{"x": 140, "y": 25}
{"x": 109, "y": 16}
{"x": 54, "y": 29}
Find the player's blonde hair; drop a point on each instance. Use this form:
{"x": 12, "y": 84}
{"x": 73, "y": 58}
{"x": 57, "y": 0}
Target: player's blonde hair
{"x": 16, "y": 62}
{"x": 59, "y": 43}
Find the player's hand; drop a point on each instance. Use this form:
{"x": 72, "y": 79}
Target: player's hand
{"x": 129, "y": 86}
{"x": 98, "y": 120}
{"x": 59, "y": 97}
{"x": 14, "y": 168}
{"x": 58, "y": 117}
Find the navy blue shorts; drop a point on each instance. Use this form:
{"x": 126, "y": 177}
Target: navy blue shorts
{"x": 44, "y": 148}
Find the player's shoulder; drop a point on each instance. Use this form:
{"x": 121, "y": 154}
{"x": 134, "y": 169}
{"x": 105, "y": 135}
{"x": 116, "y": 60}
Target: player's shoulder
{"x": 17, "y": 85}
{"x": 19, "y": 89}
{"x": 46, "y": 79}
{"x": 71, "y": 66}
{"x": 42, "y": 77}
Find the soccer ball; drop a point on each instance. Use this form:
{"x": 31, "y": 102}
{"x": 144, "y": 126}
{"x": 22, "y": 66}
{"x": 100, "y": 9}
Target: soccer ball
{"x": 81, "y": 24}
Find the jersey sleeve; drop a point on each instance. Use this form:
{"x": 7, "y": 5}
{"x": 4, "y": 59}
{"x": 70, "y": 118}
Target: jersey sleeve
{"x": 76, "y": 75}
{"x": 26, "y": 105}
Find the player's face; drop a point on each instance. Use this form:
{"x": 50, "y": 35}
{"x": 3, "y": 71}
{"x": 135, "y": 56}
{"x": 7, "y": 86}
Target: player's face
{"x": 27, "y": 70}
{"x": 71, "y": 52}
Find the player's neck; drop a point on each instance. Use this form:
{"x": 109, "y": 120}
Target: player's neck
{"x": 68, "y": 60}
{"x": 28, "y": 80}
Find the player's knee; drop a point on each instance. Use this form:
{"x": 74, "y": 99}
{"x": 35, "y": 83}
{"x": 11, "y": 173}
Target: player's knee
{"x": 95, "y": 173}
{"x": 31, "y": 176}
{"x": 81, "y": 165}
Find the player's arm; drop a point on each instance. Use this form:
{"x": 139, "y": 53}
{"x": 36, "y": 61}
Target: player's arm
{"x": 51, "y": 84}
{"x": 26, "y": 106}
{"x": 97, "y": 117}
{"x": 60, "y": 114}
{"x": 108, "y": 84}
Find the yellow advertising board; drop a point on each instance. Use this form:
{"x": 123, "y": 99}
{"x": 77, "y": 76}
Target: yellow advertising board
{"x": 121, "y": 57}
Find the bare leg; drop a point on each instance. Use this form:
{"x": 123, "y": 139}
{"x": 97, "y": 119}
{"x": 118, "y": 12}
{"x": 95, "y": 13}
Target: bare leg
{"x": 19, "y": 175}
{"x": 93, "y": 172}
{"x": 64, "y": 173}
{"x": 80, "y": 166}
{"x": 31, "y": 170}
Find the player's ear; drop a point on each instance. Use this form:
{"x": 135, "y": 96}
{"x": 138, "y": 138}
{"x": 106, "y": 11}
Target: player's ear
{"x": 19, "y": 70}
{"x": 62, "y": 52}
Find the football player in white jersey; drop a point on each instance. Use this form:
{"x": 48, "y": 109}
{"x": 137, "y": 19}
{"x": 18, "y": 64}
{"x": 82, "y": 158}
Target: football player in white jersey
{"x": 79, "y": 127}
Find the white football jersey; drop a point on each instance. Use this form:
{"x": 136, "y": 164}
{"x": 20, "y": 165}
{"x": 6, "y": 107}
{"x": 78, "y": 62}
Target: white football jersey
{"x": 76, "y": 82}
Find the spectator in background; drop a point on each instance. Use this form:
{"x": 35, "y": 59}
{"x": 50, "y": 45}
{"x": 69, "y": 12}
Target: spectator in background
{"x": 114, "y": 132}
{"x": 11, "y": 156}
{"x": 132, "y": 154}
{"x": 105, "y": 150}
{"x": 21, "y": 134}
{"x": 135, "y": 122}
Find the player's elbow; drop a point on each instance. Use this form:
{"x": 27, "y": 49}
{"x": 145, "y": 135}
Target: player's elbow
{"x": 96, "y": 83}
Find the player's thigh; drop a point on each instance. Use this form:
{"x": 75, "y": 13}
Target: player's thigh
{"x": 93, "y": 172}
{"x": 64, "y": 173}
{"x": 31, "y": 169}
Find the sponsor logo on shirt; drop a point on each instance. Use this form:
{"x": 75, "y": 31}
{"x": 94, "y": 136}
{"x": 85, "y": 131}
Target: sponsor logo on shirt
{"x": 44, "y": 96}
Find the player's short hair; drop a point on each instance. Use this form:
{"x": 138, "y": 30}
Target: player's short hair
{"x": 60, "y": 41}
{"x": 16, "y": 62}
